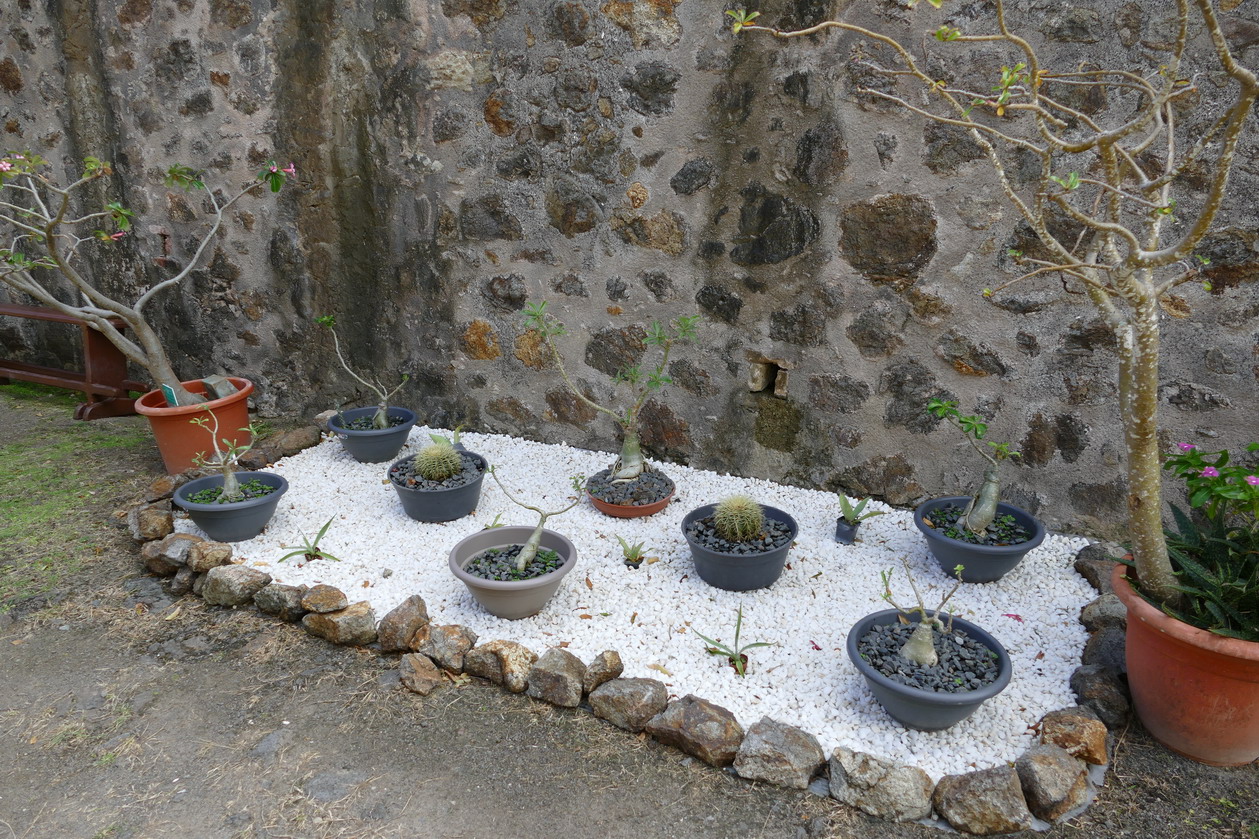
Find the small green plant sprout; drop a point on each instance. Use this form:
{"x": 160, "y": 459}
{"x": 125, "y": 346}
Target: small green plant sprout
{"x": 635, "y": 553}
{"x": 530, "y": 549}
{"x": 642, "y": 383}
{"x": 438, "y": 461}
{"x": 852, "y": 513}
{"x": 381, "y": 418}
{"x": 920, "y": 648}
{"x": 735, "y": 653}
{"x": 495, "y": 523}
{"x": 225, "y": 457}
{"x": 452, "y": 440}
{"x": 738, "y": 518}
{"x": 310, "y": 547}
{"x": 982, "y": 508}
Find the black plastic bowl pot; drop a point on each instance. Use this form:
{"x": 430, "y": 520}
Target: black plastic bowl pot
{"x": 239, "y": 520}
{"x": 373, "y": 445}
{"x": 440, "y": 504}
{"x": 739, "y": 572}
{"x": 926, "y": 710}
{"x": 980, "y": 563}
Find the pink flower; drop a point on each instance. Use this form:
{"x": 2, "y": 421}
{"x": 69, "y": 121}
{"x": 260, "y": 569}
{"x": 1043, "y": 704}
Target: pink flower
{"x": 118, "y": 235}
{"x": 273, "y": 168}
{"x": 1253, "y": 480}
{"x": 290, "y": 170}
{"x": 1186, "y": 447}
{"x": 5, "y": 165}
{"x": 1210, "y": 472}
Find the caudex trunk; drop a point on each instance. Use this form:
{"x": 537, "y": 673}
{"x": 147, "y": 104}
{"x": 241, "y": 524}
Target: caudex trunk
{"x": 631, "y": 463}
{"x": 920, "y": 648}
{"x": 982, "y": 509}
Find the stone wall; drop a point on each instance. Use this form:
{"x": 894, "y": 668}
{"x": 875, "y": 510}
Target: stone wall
{"x": 626, "y": 160}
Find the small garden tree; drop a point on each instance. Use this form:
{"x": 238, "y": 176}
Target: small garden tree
{"x": 1102, "y": 202}
{"x": 41, "y": 233}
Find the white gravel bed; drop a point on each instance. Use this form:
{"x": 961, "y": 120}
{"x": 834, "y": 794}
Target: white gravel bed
{"x": 805, "y": 679}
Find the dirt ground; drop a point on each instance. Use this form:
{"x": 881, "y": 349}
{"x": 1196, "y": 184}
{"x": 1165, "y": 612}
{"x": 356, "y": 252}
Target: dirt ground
{"x": 125, "y": 712}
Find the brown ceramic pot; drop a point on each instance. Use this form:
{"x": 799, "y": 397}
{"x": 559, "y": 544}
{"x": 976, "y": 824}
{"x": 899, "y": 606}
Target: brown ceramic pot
{"x": 1196, "y": 692}
{"x": 178, "y": 439}
{"x": 629, "y": 511}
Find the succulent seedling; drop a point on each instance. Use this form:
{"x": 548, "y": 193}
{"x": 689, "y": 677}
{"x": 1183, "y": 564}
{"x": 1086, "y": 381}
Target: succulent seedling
{"x": 982, "y": 509}
{"x": 530, "y": 548}
{"x": 734, "y": 652}
{"x": 310, "y": 547}
{"x": 635, "y": 553}
{"x": 852, "y": 513}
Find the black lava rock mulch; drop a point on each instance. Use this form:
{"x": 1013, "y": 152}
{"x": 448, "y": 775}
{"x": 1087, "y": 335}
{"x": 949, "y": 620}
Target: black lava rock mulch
{"x": 965, "y": 664}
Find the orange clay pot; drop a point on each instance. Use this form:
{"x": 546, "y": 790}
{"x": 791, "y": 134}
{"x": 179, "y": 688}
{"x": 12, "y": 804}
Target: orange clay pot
{"x": 178, "y": 439}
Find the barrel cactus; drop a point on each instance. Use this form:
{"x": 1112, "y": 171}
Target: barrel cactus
{"x": 438, "y": 461}
{"x": 738, "y": 519}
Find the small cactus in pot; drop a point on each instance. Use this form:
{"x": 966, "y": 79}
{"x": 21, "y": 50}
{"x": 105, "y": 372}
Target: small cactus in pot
{"x": 738, "y": 519}
{"x": 438, "y": 461}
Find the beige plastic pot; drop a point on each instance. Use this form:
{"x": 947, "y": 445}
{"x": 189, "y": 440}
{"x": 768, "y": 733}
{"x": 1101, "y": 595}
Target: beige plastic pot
{"x": 511, "y": 599}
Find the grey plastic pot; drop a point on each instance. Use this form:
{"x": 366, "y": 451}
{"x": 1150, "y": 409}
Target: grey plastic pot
{"x": 845, "y": 531}
{"x": 433, "y": 505}
{"x": 926, "y": 710}
{"x": 511, "y": 599}
{"x": 739, "y": 572}
{"x": 374, "y": 445}
{"x": 981, "y": 563}
{"x": 239, "y": 520}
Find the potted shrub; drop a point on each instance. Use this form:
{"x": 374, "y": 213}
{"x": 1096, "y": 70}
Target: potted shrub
{"x": 738, "y": 544}
{"x": 850, "y": 517}
{"x": 921, "y": 680}
{"x": 985, "y": 535}
{"x": 230, "y": 506}
{"x": 513, "y": 571}
{"x": 439, "y": 482}
{"x": 1120, "y": 252}
{"x": 370, "y": 435}
{"x": 43, "y": 228}
{"x": 1208, "y": 643}
{"x": 630, "y": 487}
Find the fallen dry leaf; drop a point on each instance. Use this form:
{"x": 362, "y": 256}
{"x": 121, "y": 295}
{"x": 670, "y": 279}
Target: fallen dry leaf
{"x": 659, "y": 669}
{"x": 586, "y": 617}
{"x": 589, "y": 584}
{"x": 633, "y": 617}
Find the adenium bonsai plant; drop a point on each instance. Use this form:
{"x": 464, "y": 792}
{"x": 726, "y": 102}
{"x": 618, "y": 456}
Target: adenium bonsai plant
{"x": 981, "y": 511}
{"x": 45, "y": 226}
{"x": 1114, "y": 175}
{"x": 381, "y": 418}
{"x": 630, "y": 465}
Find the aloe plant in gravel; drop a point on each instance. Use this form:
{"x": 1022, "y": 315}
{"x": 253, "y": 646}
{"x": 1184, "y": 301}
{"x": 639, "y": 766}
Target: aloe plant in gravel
{"x": 630, "y": 487}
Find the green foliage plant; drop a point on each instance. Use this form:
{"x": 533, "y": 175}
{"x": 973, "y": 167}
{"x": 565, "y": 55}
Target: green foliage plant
{"x": 852, "y": 513}
{"x": 438, "y": 461}
{"x": 641, "y": 382}
{"x": 734, "y": 652}
{"x": 920, "y": 648}
{"x": 1112, "y": 175}
{"x": 530, "y": 548}
{"x": 226, "y": 457}
{"x": 1215, "y": 551}
{"x": 310, "y": 547}
{"x": 45, "y": 232}
{"x": 738, "y": 518}
{"x": 381, "y": 418}
{"x": 982, "y": 509}
{"x": 634, "y": 553}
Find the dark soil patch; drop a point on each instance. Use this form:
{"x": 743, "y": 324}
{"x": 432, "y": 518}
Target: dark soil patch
{"x": 252, "y": 488}
{"x": 964, "y": 663}
{"x": 403, "y": 474}
{"x": 367, "y": 423}
{"x": 500, "y": 564}
{"x": 774, "y": 536}
{"x": 648, "y": 488}
{"x": 1004, "y": 530}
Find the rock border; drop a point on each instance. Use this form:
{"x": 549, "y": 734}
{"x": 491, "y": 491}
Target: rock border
{"x": 1050, "y": 782}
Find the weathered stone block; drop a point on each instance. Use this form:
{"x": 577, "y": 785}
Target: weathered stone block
{"x": 605, "y": 667}
{"x": 1054, "y": 783}
{"x": 699, "y": 728}
{"x": 985, "y": 803}
{"x": 233, "y": 585}
{"x": 779, "y": 753}
{"x": 399, "y": 626}
{"x": 203, "y": 556}
{"x": 557, "y": 678}
{"x": 419, "y": 674}
{"x": 150, "y": 521}
{"x": 446, "y": 645}
{"x": 1078, "y": 731}
{"x": 285, "y": 602}
{"x": 505, "y": 663}
{"x": 353, "y": 626}
{"x": 324, "y": 599}
{"x": 629, "y": 703}
{"x": 880, "y": 787}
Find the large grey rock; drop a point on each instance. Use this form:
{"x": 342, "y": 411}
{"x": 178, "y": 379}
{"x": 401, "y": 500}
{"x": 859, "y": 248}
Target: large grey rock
{"x": 778, "y": 753}
{"x": 1054, "y": 783}
{"x": 880, "y": 787}
{"x": 168, "y": 555}
{"x": 1106, "y": 647}
{"x": 399, "y": 626}
{"x": 324, "y": 598}
{"x": 233, "y": 585}
{"x": 285, "y": 602}
{"x": 605, "y": 667}
{"x": 446, "y": 645}
{"x": 150, "y": 521}
{"x": 353, "y": 626}
{"x": 203, "y": 556}
{"x": 505, "y": 663}
{"x": 1101, "y": 690}
{"x": 419, "y": 674}
{"x": 986, "y": 803}
{"x": 1094, "y": 563}
{"x": 557, "y": 677}
{"x": 699, "y": 728}
{"x": 1079, "y": 731}
{"x": 181, "y": 583}
{"x": 629, "y": 703}
{"x": 1106, "y": 611}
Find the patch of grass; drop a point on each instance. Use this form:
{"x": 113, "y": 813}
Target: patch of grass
{"x": 29, "y": 392}
{"x": 47, "y": 486}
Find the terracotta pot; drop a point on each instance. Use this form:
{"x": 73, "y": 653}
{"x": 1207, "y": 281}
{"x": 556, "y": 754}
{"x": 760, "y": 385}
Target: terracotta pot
{"x": 1196, "y": 692}
{"x": 629, "y": 511}
{"x": 178, "y": 439}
